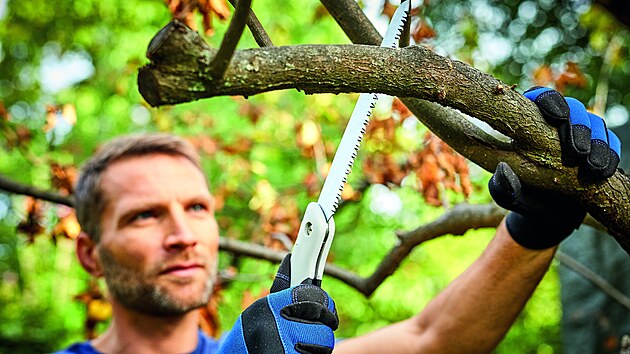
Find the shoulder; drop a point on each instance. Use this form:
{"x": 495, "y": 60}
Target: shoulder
{"x": 206, "y": 345}
{"x": 79, "y": 348}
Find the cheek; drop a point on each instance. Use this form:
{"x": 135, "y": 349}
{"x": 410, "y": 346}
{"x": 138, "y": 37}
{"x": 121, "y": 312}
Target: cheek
{"x": 134, "y": 250}
{"x": 208, "y": 232}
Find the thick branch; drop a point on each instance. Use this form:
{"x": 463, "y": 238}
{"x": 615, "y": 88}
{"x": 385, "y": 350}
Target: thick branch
{"x": 178, "y": 73}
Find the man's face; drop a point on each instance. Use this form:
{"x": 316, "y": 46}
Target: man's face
{"x": 159, "y": 242}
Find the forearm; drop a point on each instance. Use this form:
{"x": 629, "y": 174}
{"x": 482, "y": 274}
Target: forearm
{"x": 473, "y": 313}
{"x": 476, "y": 310}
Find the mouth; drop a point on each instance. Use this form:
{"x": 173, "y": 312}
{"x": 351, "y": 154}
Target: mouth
{"x": 183, "y": 269}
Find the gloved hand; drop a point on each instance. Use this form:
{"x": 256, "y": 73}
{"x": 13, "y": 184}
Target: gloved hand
{"x": 539, "y": 219}
{"x": 289, "y": 320}
{"x": 583, "y": 135}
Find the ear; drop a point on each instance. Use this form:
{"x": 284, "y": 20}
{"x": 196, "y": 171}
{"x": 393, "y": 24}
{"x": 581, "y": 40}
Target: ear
{"x": 87, "y": 252}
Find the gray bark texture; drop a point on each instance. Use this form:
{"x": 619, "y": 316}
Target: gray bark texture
{"x": 436, "y": 89}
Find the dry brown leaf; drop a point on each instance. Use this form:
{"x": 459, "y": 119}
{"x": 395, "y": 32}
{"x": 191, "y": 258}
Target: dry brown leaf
{"x": 98, "y": 308}
{"x": 4, "y": 114}
{"x": 438, "y": 167}
{"x": 312, "y": 184}
{"x": 282, "y": 218}
{"x": 572, "y": 76}
{"x": 381, "y": 168}
{"x": 252, "y": 111}
{"x": 320, "y": 12}
{"x": 62, "y": 177}
{"x": 422, "y": 31}
{"x": 401, "y": 109}
{"x": 388, "y": 9}
{"x": 204, "y": 143}
{"x": 543, "y": 76}
{"x": 242, "y": 145}
{"x": 183, "y": 10}
{"x": 249, "y": 297}
{"x": 51, "y": 117}
{"x": 382, "y": 131}
{"x": 209, "y": 319}
{"x": 32, "y": 225}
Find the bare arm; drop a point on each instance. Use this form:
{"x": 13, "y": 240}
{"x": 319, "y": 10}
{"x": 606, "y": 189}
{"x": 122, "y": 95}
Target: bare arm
{"x": 473, "y": 313}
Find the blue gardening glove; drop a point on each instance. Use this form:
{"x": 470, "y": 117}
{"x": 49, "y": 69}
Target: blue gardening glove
{"x": 540, "y": 219}
{"x": 289, "y": 320}
{"x": 584, "y": 138}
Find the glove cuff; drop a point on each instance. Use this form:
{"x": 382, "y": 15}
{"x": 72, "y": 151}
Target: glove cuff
{"x": 535, "y": 234}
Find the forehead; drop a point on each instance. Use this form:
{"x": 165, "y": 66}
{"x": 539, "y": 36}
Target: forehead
{"x": 152, "y": 177}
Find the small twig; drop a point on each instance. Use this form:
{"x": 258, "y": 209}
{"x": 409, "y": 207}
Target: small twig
{"x": 405, "y": 38}
{"x": 594, "y": 278}
{"x": 220, "y": 62}
{"x": 17, "y": 188}
{"x": 601, "y": 91}
{"x": 283, "y": 238}
{"x": 353, "y": 21}
{"x": 260, "y": 35}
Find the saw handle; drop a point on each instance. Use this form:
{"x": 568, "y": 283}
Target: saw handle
{"x": 310, "y": 251}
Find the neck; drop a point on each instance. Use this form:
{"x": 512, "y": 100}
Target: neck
{"x": 134, "y": 332}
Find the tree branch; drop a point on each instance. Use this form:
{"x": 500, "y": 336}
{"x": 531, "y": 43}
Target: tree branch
{"x": 178, "y": 73}
{"x": 260, "y": 35}
{"x": 594, "y": 278}
{"x": 14, "y": 187}
{"x": 220, "y": 62}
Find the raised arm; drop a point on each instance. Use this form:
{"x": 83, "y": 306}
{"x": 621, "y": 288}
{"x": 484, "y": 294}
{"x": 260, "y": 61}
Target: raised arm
{"x": 475, "y": 311}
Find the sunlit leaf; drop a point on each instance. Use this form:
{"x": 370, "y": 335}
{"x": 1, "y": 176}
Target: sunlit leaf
{"x": 69, "y": 113}
{"x": 309, "y": 134}
{"x": 68, "y": 225}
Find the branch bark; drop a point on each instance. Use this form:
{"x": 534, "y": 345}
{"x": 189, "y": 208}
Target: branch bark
{"x": 178, "y": 72}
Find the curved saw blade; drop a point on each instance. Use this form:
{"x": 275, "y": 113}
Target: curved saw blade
{"x": 330, "y": 195}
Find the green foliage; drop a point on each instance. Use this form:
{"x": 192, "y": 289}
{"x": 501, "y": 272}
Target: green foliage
{"x": 253, "y": 158}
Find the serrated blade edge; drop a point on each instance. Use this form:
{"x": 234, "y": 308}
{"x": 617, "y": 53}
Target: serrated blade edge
{"x": 341, "y": 166}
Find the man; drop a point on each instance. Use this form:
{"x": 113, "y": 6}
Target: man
{"x": 149, "y": 230}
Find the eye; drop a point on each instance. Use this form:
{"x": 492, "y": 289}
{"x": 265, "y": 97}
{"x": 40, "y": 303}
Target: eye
{"x": 143, "y": 215}
{"x": 198, "y": 207}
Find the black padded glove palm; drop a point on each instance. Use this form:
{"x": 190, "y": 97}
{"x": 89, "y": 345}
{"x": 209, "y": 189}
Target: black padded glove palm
{"x": 538, "y": 220}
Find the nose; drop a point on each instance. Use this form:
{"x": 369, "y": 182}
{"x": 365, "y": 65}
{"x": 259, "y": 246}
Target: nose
{"x": 179, "y": 235}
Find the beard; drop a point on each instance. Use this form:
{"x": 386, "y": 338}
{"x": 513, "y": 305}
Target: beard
{"x": 141, "y": 292}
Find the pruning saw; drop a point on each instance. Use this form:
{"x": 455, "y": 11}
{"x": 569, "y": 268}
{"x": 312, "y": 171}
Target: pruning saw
{"x": 317, "y": 228}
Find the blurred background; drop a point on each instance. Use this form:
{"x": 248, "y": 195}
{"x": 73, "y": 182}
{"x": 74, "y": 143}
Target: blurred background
{"x": 68, "y": 73}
